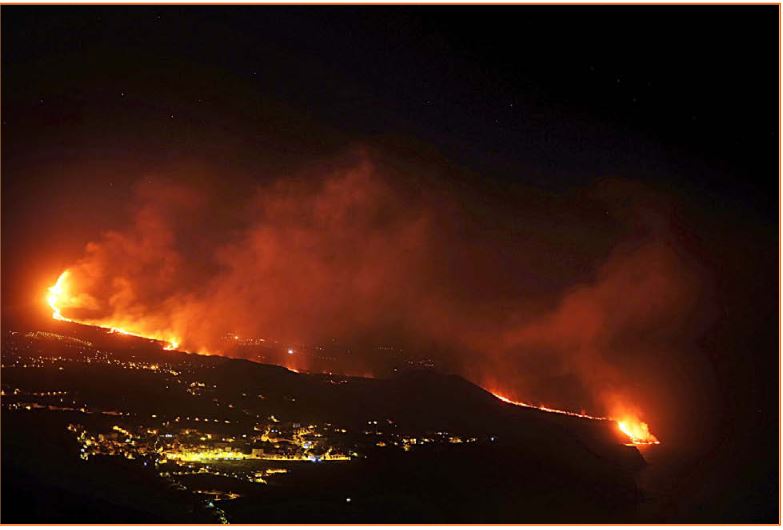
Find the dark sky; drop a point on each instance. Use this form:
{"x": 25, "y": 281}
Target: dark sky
{"x": 551, "y": 95}
{"x": 679, "y": 100}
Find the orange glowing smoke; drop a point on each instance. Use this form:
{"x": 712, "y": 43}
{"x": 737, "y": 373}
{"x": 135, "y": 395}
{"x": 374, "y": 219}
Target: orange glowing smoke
{"x": 364, "y": 253}
{"x": 636, "y": 430}
{"x": 61, "y": 297}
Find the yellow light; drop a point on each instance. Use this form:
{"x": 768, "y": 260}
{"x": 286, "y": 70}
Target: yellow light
{"x": 56, "y": 293}
{"x": 637, "y": 431}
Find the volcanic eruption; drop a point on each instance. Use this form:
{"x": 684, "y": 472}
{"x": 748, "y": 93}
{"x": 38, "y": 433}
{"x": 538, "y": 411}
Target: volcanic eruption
{"x": 362, "y": 255}
{"x": 60, "y": 295}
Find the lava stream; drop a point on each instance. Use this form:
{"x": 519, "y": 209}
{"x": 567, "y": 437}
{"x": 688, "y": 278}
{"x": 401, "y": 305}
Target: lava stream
{"x": 636, "y": 430}
{"x": 59, "y": 297}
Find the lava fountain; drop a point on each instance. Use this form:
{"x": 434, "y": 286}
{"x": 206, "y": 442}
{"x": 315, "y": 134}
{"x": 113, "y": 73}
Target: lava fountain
{"x": 60, "y": 296}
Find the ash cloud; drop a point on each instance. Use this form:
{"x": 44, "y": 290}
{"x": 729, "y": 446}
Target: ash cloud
{"x": 584, "y": 300}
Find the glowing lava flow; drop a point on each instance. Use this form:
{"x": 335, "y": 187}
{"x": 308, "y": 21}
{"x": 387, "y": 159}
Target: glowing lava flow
{"x": 56, "y": 293}
{"x": 59, "y": 297}
{"x": 637, "y": 431}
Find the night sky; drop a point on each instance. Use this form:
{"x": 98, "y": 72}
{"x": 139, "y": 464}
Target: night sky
{"x": 597, "y": 139}
{"x": 681, "y": 98}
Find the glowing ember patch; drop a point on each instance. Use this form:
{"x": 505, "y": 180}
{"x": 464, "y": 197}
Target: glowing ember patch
{"x": 637, "y": 431}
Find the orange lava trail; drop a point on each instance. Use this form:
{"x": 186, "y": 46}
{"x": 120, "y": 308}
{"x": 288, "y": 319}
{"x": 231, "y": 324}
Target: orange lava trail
{"x": 637, "y": 431}
{"x": 59, "y": 297}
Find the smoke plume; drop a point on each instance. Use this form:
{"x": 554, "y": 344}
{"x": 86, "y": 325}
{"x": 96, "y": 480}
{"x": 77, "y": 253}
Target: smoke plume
{"x": 583, "y": 300}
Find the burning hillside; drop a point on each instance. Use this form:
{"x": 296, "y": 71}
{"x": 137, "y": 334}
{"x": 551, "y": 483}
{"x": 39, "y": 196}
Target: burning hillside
{"x": 61, "y": 295}
{"x": 363, "y": 255}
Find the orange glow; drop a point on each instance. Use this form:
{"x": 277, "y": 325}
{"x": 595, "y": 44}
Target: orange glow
{"x": 60, "y": 297}
{"x": 57, "y": 293}
{"x": 636, "y": 430}
{"x": 547, "y": 409}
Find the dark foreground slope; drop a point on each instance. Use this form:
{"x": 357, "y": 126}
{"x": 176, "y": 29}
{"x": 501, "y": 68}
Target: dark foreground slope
{"x": 44, "y": 481}
{"x": 521, "y": 465}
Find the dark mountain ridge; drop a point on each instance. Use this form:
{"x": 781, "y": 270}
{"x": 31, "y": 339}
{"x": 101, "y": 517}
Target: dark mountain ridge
{"x": 522, "y": 456}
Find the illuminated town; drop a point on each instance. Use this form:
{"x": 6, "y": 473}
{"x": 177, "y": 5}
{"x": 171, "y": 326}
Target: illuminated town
{"x": 232, "y": 436}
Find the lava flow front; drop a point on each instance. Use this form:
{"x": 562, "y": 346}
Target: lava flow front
{"x": 60, "y": 296}
{"x": 637, "y": 431}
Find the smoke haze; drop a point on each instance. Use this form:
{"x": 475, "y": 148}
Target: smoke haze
{"x": 582, "y": 301}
